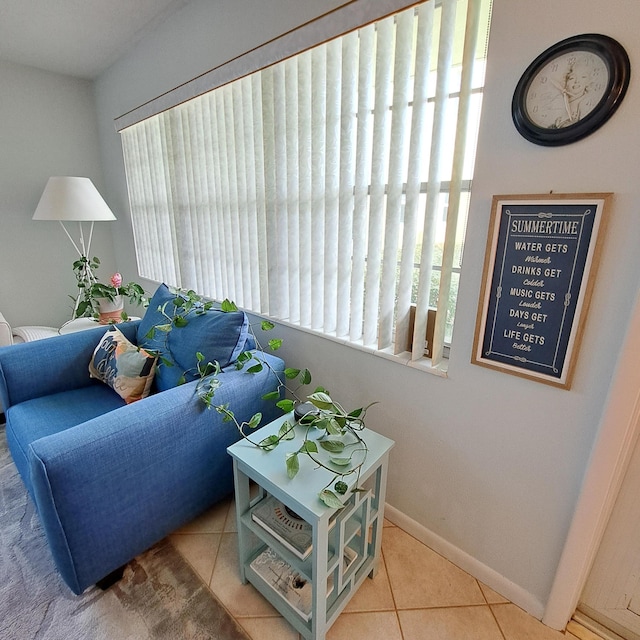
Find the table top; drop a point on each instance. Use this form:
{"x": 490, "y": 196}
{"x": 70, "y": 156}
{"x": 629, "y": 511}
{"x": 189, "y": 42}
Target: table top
{"x": 269, "y": 470}
{"x": 81, "y": 324}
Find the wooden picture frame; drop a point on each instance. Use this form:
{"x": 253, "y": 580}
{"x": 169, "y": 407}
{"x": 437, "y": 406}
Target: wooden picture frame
{"x": 541, "y": 258}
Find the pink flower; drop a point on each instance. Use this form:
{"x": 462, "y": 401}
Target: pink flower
{"x": 116, "y": 280}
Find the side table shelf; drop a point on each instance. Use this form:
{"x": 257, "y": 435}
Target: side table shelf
{"x": 345, "y": 544}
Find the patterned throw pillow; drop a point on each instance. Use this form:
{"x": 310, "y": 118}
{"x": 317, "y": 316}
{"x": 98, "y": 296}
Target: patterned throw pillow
{"x": 127, "y": 369}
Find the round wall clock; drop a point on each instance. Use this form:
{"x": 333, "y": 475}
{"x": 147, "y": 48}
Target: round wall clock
{"x": 571, "y": 89}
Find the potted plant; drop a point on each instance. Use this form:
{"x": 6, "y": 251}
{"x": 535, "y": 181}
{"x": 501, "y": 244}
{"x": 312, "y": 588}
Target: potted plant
{"x": 328, "y": 426}
{"x": 104, "y": 302}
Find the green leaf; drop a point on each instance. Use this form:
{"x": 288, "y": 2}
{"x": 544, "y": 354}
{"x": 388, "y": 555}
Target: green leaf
{"x": 82, "y": 307}
{"x": 180, "y": 321}
{"x": 228, "y": 306}
{"x": 166, "y": 362}
{"x": 330, "y": 425}
{"x": 224, "y": 410}
{"x": 206, "y": 391}
{"x": 272, "y": 395}
{"x": 242, "y": 359}
{"x": 164, "y": 327}
{"x": 341, "y": 487}
{"x": 211, "y": 368}
{"x": 341, "y": 462}
{"x": 286, "y": 405}
{"x": 309, "y": 446}
{"x": 293, "y": 464}
{"x": 182, "y": 380}
{"x": 213, "y": 383}
{"x": 356, "y": 413}
{"x": 199, "y": 356}
{"x": 207, "y": 399}
{"x": 256, "y": 368}
{"x": 321, "y": 400}
{"x": 269, "y": 443}
{"x": 286, "y": 431}
{"x": 267, "y": 326}
{"x": 290, "y": 374}
{"x": 275, "y": 344}
{"x": 333, "y": 427}
{"x": 330, "y": 499}
{"x": 305, "y": 377}
{"x": 333, "y": 446}
{"x": 256, "y": 418}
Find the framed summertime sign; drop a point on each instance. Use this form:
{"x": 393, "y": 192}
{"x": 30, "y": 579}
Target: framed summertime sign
{"x": 541, "y": 258}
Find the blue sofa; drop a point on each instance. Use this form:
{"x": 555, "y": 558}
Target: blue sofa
{"x": 110, "y": 479}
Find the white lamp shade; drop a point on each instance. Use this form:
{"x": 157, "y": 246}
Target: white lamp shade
{"x": 72, "y": 199}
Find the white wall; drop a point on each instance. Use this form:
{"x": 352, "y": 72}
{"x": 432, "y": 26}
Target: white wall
{"x": 489, "y": 463}
{"x": 48, "y": 129}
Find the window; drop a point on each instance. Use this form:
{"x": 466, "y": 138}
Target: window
{"x": 328, "y": 190}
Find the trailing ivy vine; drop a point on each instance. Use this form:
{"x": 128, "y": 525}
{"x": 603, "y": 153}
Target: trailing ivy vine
{"x": 328, "y": 426}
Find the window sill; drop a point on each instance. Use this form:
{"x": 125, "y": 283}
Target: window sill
{"x": 422, "y": 364}
{"x": 403, "y": 358}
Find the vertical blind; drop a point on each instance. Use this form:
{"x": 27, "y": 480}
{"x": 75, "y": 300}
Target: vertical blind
{"x": 323, "y": 189}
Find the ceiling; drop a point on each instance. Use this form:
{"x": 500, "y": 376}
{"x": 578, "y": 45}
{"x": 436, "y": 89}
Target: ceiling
{"x": 80, "y": 38}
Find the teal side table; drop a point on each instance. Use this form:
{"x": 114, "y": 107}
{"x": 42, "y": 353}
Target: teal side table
{"x": 345, "y": 543}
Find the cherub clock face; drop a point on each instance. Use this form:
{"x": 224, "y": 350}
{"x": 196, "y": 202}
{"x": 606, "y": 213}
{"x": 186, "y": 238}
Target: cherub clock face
{"x": 566, "y": 89}
{"x": 571, "y": 89}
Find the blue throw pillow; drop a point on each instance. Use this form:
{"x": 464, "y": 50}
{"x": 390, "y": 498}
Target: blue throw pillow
{"x": 218, "y": 335}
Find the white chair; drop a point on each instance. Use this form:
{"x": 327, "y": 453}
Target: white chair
{"x": 9, "y": 335}
{"x": 21, "y": 334}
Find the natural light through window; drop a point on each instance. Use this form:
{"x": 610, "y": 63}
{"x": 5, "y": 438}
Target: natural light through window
{"x": 330, "y": 190}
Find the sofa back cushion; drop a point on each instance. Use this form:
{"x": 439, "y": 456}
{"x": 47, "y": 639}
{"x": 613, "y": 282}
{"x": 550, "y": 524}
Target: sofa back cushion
{"x": 218, "y": 335}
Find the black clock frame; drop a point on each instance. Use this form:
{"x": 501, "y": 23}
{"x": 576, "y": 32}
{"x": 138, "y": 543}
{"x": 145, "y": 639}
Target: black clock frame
{"x": 619, "y": 67}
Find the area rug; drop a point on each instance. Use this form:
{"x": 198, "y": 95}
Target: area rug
{"x": 159, "y": 598}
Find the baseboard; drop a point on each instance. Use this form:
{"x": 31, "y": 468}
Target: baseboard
{"x": 585, "y": 628}
{"x": 581, "y": 632}
{"x": 471, "y": 565}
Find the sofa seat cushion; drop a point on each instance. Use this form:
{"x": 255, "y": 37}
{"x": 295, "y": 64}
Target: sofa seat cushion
{"x": 220, "y": 336}
{"x": 34, "y": 419}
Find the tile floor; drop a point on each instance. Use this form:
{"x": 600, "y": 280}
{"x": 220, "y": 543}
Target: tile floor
{"x": 416, "y": 594}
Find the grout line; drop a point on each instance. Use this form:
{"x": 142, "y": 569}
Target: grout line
{"x": 481, "y": 590}
{"x": 215, "y": 559}
{"x": 393, "y": 598}
{"x": 497, "y": 622}
{"x": 386, "y": 571}
{"x": 478, "y": 605}
{"x": 232, "y": 503}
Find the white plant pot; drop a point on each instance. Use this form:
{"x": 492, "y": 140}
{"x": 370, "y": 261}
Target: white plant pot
{"x": 110, "y": 310}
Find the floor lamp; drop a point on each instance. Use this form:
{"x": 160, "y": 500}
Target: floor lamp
{"x": 70, "y": 199}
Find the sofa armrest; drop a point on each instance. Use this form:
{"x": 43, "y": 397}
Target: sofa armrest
{"x": 112, "y": 487}
{"x": 60, "y": 363}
